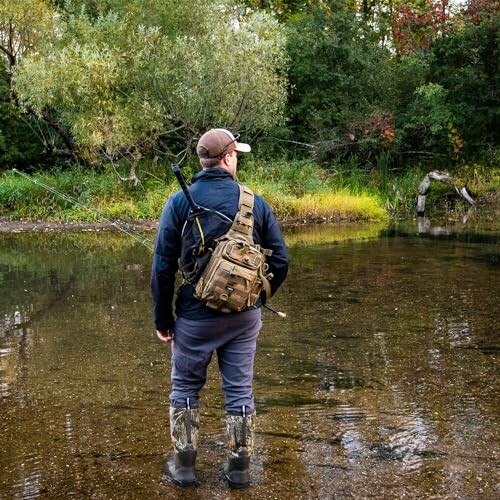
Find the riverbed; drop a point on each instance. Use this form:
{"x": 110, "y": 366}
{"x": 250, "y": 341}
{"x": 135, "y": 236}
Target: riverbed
{"x": 382, "y": 381}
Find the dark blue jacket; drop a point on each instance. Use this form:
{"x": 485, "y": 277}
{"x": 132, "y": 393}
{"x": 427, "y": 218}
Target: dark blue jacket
{"x": 213, "y": 188}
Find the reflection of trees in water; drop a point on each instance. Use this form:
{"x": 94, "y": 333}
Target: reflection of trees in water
{"x": 10, "y": 354}
{"x": 369, "y": 317}
{"x": 66, "y": 402}
{"x": 40, "y": 272}
{"x": 16, "y": 334}
{"x": 14, "y": 318}
{"x": 372, "y": 384}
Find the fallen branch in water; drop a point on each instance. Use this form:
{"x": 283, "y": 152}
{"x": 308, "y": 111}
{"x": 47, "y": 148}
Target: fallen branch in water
{"x": 444, "y": 178}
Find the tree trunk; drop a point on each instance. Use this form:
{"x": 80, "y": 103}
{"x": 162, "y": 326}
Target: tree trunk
{"x": 440, "y": 177}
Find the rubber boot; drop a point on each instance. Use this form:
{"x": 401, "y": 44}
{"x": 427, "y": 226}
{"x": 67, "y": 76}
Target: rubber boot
{"x": 240, "y": 441}
{"x": 184, "y": 424}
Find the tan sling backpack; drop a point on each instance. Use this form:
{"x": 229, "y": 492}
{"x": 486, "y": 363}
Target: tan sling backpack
{"x": 236, "y": 272}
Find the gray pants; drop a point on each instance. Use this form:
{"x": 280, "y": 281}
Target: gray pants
{"x": 234, "y": 338}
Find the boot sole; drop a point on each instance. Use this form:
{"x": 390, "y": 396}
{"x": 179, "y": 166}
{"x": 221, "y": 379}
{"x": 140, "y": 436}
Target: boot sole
{"x": 183, "y": 484}
{"x": 237, "y": 486}
{"x": 169, "y": 475}
{"x": 170, "y": 479}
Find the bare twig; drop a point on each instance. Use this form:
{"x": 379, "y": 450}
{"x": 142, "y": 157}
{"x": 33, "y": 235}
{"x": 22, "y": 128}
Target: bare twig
{"x": 311, "y": 146}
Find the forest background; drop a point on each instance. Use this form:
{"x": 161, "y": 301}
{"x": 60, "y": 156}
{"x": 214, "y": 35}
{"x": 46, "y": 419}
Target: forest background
{"x": 347, "y": 104}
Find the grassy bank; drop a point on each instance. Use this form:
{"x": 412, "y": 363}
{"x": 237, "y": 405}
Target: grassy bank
{"x": 297, "y": 191}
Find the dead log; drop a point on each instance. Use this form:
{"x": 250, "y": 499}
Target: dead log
{"x": 444, "y": 178}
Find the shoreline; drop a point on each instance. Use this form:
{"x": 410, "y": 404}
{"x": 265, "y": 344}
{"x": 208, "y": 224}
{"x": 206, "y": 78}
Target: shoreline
{"x": 24, "y": 226}
{"x": 8, "y": 225}
{"x": 487, "y": 207}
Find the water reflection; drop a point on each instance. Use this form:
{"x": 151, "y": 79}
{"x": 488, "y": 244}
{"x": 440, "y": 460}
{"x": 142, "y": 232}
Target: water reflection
{"x": 28, "y": 486}
{"x": 382, "y": 382}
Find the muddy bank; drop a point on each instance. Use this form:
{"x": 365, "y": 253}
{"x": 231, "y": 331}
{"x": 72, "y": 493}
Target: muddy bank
{"x": 18, "y": 226}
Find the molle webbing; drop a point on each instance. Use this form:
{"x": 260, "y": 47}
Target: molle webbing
{"x": 243, "y": 222}
{"x": 243, "y": 226}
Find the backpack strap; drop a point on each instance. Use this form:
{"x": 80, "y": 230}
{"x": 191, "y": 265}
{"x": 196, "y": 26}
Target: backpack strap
{"x": 243, "y": 221}
{"x": 243, "y": 226}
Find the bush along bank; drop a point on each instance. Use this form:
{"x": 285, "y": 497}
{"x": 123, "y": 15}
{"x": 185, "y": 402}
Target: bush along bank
{"x": 299, "y": 192}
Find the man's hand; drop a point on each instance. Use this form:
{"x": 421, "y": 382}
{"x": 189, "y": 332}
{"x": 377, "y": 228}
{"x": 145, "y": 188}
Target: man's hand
{"x": 165, "y": 335}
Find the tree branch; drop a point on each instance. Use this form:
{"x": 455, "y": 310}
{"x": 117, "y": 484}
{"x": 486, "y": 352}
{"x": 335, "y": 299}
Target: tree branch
{"x": 58, "y": 151}
{"x": 54, "y": 123}
{"x": 10, "y": 56}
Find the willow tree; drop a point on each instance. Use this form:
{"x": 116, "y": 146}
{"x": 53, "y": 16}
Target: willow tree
{"x": 141, "y": 76}
{"x": 23, "y": 25}
{"x": 24, "y": 134}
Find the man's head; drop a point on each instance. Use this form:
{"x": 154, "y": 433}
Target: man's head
{"x": 219, "y": 147}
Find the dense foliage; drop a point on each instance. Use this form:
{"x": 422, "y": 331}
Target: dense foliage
{"x": 337, "y": 81}
{"x": 19, "y": 142}
{"x": 360, "y": 82}
{"x": 404, "y": 80}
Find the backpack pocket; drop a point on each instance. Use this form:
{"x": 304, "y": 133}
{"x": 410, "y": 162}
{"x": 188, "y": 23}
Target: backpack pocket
{"x": 231, "y": 280}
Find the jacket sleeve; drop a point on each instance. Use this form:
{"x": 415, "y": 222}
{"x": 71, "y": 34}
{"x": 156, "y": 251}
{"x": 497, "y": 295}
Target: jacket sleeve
{"x": 272, "y": 239}
{"x": 165, "y": 265}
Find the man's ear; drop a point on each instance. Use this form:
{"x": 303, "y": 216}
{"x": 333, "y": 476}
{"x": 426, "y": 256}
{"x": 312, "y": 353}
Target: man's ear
{"x": 227, "y": 159}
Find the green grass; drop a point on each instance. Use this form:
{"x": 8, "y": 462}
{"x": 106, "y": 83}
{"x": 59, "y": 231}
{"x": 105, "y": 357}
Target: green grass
{"x": 98, "y": 195}
{"x": 297, "y": 191}
{"x": 304, "y": 191}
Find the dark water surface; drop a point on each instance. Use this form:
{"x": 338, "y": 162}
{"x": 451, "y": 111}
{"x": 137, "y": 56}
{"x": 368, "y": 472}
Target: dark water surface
{"x": 382, "y": 383}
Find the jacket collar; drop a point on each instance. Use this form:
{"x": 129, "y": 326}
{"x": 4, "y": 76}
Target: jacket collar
{"x": 211, "y": 173}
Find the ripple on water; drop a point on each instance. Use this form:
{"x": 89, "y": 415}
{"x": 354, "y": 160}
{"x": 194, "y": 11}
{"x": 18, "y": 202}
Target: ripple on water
{"x": 4, "y": 390}
{"x": 411, "y": 442}
{"x": 28, "y": 486}
{"x": 5, "y": 380}
{"x": 5, "y": 351}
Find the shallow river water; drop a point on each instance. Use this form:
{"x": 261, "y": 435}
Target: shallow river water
{"x": 383, "y": 382}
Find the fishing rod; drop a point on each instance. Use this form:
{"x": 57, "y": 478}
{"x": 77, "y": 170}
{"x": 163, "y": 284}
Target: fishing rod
{"x": 280, "y": 314}
{"x": 176, "y": 169}
{"x": 133, "y": 234}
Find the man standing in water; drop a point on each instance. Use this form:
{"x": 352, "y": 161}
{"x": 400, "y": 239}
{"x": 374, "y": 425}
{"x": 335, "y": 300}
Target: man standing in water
{"x": 198, "y": 331}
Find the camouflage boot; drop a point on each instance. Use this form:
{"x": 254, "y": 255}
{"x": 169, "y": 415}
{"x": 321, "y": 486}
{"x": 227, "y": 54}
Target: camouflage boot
{"x": 184, "y": 424}
{"x": 240, "y": 440}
